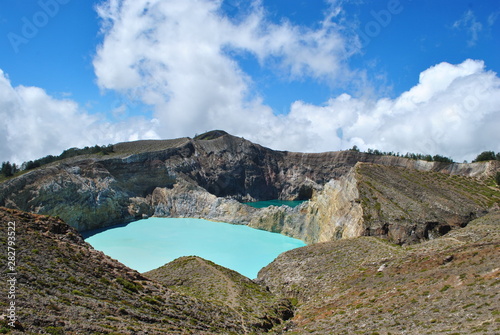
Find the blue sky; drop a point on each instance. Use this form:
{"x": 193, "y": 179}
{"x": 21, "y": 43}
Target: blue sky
{"x": 293, "y": 75}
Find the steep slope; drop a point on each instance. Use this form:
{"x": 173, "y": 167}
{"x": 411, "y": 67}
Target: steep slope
{"x": 208, "y": 281}
{"x": 366, "y": 285}
{"x": 363, "y": 285}
{"x": 331, "y": 213}
{"x": 411, "y": 206}
{"x": 64, "y": 286}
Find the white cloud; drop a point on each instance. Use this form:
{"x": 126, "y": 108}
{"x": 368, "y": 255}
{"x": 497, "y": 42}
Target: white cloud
{"x": 492, "y": 18}
{"x": 469, "y": 23}
{"x": 453, "y": 110}
{"x": 175, "y": 56}
{"x": 34, "y": 124}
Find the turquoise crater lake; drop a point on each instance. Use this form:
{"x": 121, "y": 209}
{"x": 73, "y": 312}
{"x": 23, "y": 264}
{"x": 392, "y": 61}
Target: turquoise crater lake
{"x": 148, "y": 244}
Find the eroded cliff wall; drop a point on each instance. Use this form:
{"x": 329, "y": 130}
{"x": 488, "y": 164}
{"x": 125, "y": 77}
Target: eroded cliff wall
{"x": 331, "y": 213}
{"x": 208, "y": 178}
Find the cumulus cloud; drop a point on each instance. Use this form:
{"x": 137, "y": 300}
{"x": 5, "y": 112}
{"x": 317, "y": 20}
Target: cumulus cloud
{"x": 453, "y": 110}
{"x": 176, "y": 56}
{"x": 34, "y": 124}
{"x": 179, "y": 57}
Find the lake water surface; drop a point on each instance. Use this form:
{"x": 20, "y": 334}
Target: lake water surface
{"x": 148, "y": 244}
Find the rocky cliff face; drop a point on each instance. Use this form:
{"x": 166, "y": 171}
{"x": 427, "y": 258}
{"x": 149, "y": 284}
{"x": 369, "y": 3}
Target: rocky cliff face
{"x": 402, "y": 204}
{"x": 410, "y": 206}
{"x": 350, "y": 193}
{"x": 331, "y": 213}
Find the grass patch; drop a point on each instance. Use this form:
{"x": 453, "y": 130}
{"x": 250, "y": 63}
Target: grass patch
{"x": 129, "y": 286}
{"x": 445, "y": 288}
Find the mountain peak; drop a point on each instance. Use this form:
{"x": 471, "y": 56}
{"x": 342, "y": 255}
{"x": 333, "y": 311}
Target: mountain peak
{"x": 210, "y": 135}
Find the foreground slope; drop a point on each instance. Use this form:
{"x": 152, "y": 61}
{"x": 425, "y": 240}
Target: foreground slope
{"x": 365, "y": 285}
{"x": 65, "y": 286}
{"x": 224, "y": 287}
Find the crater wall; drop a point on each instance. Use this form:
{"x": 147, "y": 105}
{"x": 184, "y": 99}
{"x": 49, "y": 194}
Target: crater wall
{"x": 208, "y": 178}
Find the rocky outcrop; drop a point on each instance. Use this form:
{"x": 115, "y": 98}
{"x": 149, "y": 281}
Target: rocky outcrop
{"x": 185, "y": 200}
{"x": 85, "y": 194}
{"x": 209, "y": 176}
{"x": 410, "y": 206}
{"x": 331, "y": 213}
{"x": 403, "y": 205}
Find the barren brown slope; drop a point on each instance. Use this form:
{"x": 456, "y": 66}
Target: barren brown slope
{"x": 66, "y": 287}
{"x": 448, "y": 285}
{"x": 258, "y": 309}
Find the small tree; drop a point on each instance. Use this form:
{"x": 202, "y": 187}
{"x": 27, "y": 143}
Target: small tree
{"x": 15, "y": 168}
{"x": 7, "y": 169}
{"x": 427, "y": 158}
{"x": 497, "y": 178}
{"x": 485, "y": 156}
{"x": 31, "y": 165}
{"x": 439, "y": 158}
{"x": 355, "y": 148}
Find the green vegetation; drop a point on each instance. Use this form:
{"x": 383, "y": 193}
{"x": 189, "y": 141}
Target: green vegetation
{"x": 445, "y": 288}
{"x": 8, "y": 169}
{"x": 11, "y": 169}
{"x": 487, "y": 156}
{"x": 429, "y": 158}
{"x": 54, "y": 330}
{"x": 355, "y": 148}
{"x": 497, "y": 178}
{"x": 4, "y": 327}
{"x": 103, "y": 150}
{"x": 130, "y": 286}
{"x": 482, "y": 157}
{"x": 213, "y": 283}
{"x": 383, "y": 200}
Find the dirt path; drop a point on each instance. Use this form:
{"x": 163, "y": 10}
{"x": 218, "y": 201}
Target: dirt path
{"x": 232, "y": 299}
